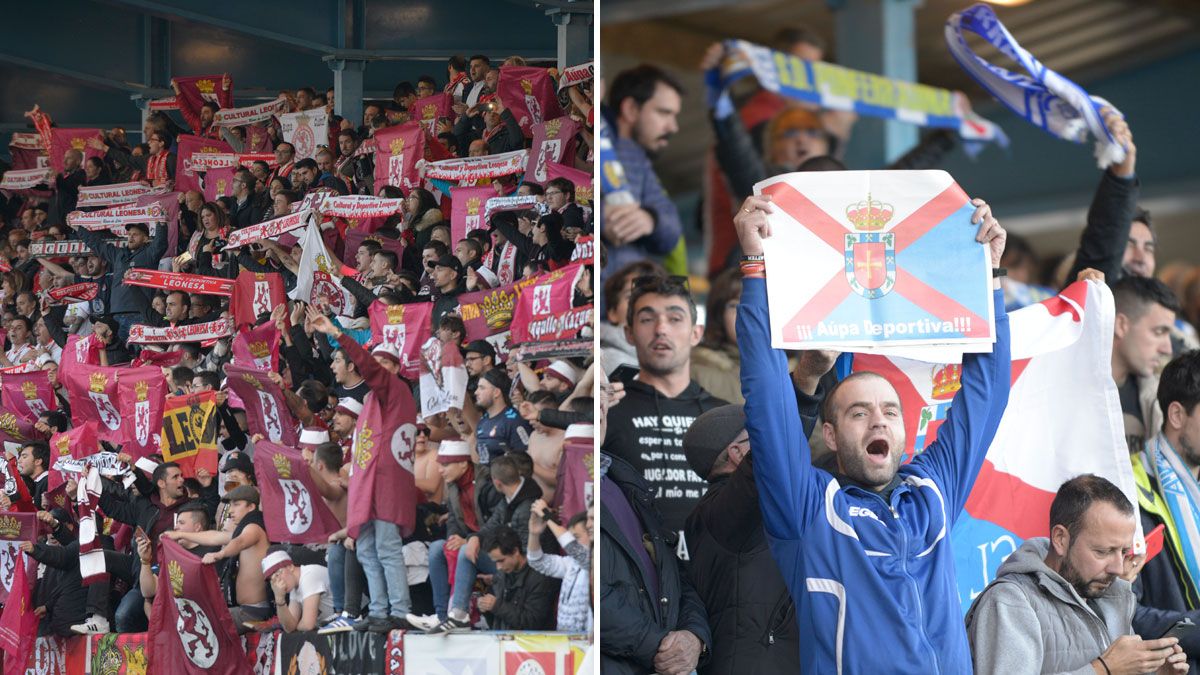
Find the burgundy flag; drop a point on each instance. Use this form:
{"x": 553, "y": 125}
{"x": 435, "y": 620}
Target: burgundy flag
{"x": 170, "y": 202}
{"x": 355, "y": 236}
{"x": 258, "y": 348}
{"x": 266, "y": 408}
{"x": 543, "y": 311}
{"x": 553, "y": 141}
{"x": 581, "y": 179}
{"x": 397, "y": 151}
{"x": 529, "y": 95}
{"x": 191, "y": 631}
{"x": 576, "y": 486}
{"x": 405, "y": 328}
{"x": 26, "y": 149}
{"x": 382, "y": 485}
{"x": 427, "y": 110}
{"x": 62, "y": 140}
{"x": 292, "y": 507}
{"x": 193, "y": 92}
{"x": 142, "y": 393}
{"x": 257, "y": 139}
{"x": 78, "y": 442}
{"x": 18, "y": 623}
{"x": 489, "y": 312}
{"x": 18, "y": 527}
{"x": 93, "y": 396}
{"x": 254, "y": 294}
{"x": 28, "y": 394}
{"x": 186, "y": 176}
{"x": 219, "y": 183}
{"x": 466, "y": 210}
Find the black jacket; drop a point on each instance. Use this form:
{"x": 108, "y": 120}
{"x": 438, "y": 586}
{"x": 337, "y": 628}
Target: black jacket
{"x": 646, "y": 430}
{"x": 514, "y": 514}
{"x": 634, "y": 623}
{"x": 525, "y": 600}
{"x": 750, "y": 611}
{"x": 1109, "y": 219}
{"x": 247, "y": 214}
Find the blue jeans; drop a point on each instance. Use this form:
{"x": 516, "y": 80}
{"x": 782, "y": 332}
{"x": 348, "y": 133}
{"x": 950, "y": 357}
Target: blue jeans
{"x": 464, "y": 577}
{"x": 131, "y": 615}
{"x": 335, "y": 560}
{"x": 381, "y": 552}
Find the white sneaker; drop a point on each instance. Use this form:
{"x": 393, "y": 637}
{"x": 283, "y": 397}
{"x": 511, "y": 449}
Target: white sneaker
{"x": 425, "y": 623}
{"x": 94, "y": 625}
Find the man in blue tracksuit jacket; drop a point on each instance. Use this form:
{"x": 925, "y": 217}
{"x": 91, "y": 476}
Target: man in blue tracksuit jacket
{"x": 865, "y": 552}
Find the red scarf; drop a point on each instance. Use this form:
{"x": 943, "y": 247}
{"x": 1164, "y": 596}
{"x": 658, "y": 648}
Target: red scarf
{"x": 454, "y": 83}
{"x": 489, "y": 134}
{"x": 508, "y": 264}
{"x": 466, "y": 498}
{"x": 156, "y": 169}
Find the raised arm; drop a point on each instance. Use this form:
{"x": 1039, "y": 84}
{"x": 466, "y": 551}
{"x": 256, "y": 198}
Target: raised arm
{"x": 789, "y": 488}
{"x": 1109, "y": 219}
{"x": 963, "y": 440}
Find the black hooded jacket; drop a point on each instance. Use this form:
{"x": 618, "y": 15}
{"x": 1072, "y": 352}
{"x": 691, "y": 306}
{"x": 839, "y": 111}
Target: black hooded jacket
{"x": 646, "y": 430}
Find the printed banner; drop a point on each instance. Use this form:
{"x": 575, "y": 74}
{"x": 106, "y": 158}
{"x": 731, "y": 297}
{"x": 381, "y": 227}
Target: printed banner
{"x": 191, "y": 631}
{"x": 443, "y": 378}
{"x": 188, "y": 151}
{"x": 474, "y": 168}
{"x": 543, "y": 654}
{"x": 112, "y": 195}
{"x": 574, "y": 75}
{"x": 218, "y": 183}
{"x": 29, "y": 395}
{"x": 360, "y": 206}
{"x": 315, "y": 282}
{"x": 489, "y": 312}
{"x": 142, "y": 393}
{"x": 305, "y": 652}
{"x": 27, "y": 152}
{"x": 19, "y": 622}
{"x": 868, "y": 258}
{"x": 25, "y": 141}
{"x": 198, "y": 332}
{"x": 529, "y": 95}
{"x": 1045, "y": 98}
{"x": 236, "y": 117}
{"x": 428, "y": 110}
{"x": 257, "y": 348}
{"x": 541, "y": 351}
{"x": 93, "y": 395}
{"x": 178, "y": 281}
{"x": 553, "y": 141}
{"x": 26, "y": 179}
{"x": 83, "y": 140}
{"x": 1063, "y": 419}
{"x": 585, "y": 250}
{"x": 576, "y": 480}
{"x": 475, "y": 652}
{"x": 466, "y": 210}
{"x": 189, "y": 432}
{"x": 257, "y": 293}
{"x": 77, "y": 443}
{"x": 582, "y": 181}
{"x": 305, "y": 130}
{"x": 544, "y": 312}
{"x": 404, "y": 328}
{"x": 193, "y": 92}
{"x": 56, "y": 249}
{"x": 116, "y": 654}
{"x": 164, "y": 103}
{"x": 266, "y": 408}
{"x": 838, "y": 88}
{"x": 83, "y": 291}
{"x": 271, "y": 228}
{"x": 117, "y": 215}
{"x": 292, "y": 507}
{"x": 512, "y": 203}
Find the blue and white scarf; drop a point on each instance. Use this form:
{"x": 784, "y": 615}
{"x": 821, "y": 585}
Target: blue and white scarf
{"x": 1044, "y": 97}
{"x": 835, "y": 87}
{"x": 1182, "y": 495}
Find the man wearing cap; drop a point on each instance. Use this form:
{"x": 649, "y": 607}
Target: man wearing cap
{"x": 500, "y": 428}
{"x": 447, "y": 280}
{"x": 560, "y": 378}
{"x": 248, "y": 544}
{"x": 749, "y": 608}
{"x": 345, "y": 416}
{"x": 302, "y": 598}
{"x": 478, "y": 358}
{"x": 127, "y": 303}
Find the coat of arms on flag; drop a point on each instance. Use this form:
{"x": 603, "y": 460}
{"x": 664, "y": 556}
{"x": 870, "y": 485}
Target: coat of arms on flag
{"x": 871, "y": 258}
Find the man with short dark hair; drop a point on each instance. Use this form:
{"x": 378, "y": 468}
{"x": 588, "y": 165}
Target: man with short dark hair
{"x": 646, "y": 429}
{"x": 447, "y": 278}
{"x": 1146, "y": 310}
{"x": 1061, "y": 604}
{"x": 245, "y": 206}
{"x": 560, "y": 197}
{"x": 521, "y": 598}
{"x": 285, "y": 155}
{"x": 33, "y": 463}
{"x": 458, "y": 78}
{"x": 643, "y": 104}
{"x": 1168, "y": 586}
{"x": 500, "y": 429}
{"x": 478, "y": 69}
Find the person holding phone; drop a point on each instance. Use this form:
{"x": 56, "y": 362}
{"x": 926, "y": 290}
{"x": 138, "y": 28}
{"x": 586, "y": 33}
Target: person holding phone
{"x": 1167, "y": 585}
{"x": 1061, "y": 602}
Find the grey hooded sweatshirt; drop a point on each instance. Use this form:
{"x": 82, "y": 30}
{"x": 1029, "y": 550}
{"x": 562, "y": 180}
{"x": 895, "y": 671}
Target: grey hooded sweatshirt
{"x": 1030, "y": 615}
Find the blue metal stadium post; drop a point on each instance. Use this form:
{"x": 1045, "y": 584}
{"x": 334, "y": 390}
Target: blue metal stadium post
{"x": 348, "y": 87}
